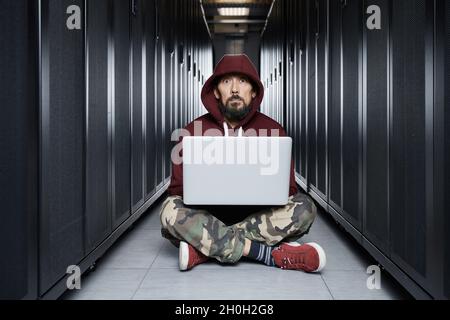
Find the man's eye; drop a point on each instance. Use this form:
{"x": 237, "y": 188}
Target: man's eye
{"x": 226, "y": 81}
{"x": 243, "y": 81}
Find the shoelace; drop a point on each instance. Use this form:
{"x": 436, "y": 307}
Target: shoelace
{"x": 293, "y": 259}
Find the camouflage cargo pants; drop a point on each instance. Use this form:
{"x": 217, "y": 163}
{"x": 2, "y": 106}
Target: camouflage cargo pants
{"x": 213, "y": 238}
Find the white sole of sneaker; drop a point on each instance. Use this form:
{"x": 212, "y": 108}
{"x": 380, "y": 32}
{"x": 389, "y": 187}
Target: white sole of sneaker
{"x": 294, "y": 244}
{"x": 322, "y": 256}
{"x": 183, "y": 257}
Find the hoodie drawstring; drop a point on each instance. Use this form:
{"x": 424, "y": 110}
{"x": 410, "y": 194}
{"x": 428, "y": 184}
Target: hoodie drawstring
{"x": 225, "y": 129}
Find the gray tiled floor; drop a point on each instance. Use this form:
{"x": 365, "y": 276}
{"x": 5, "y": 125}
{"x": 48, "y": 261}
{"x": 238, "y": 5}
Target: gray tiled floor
{"x": 142, "y": 265}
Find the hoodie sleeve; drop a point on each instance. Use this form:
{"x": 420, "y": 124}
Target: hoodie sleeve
{"x": 176, "y": 179}
{"x": 292, "y": 184}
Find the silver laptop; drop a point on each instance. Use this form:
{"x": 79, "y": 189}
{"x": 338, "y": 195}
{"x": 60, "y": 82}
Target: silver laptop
{"x": 236, "y": 170}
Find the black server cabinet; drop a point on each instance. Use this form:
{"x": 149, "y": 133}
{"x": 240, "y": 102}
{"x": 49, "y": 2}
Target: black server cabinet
{"x": 264, "y": 66}
{"x": 62, "y": 142}
{"x": 98, "y": 220}
{"x": 303, "y": 170}
{"x": 168, "y": 82}
{"x": 296, "y": 85}
{"x": 275, "y": 56}
{"x": 175, "y": 83}
{"x": 179, "y": 49}
{"x": 321, "y": 52}
{"x": 199, "y": 60}
{"x": 312, "y": 19}
{"x": 194, "y": 106}
{"x": 182, "y": 61}
{"x": 411, "y": 136}
{"x": 159, "y": 92}
{"x": 190, "y": 97}
{"x": 187, "y": 83}
{"x": 174, "y": 79}
{"x": 440, "y": 235}
{"x": 386, "y": 121}
{"x": 444, "y": 7}
{"x": 335, "y": 106}
{"x": 376, "y": 129}
{"x": 273, "y": 78}
{"x": 19, "y": 144}
{"x": 121, "y": 135}
{"x": 279, "y": 66}
{"x": 289, "y": 72}
{"x": 272, "y": 110}
{"x": 351, "y": 43}
{"x": 150, "y": 38}
{"x": 83, "y": 129}
{"x": 198, "y": 103}
{"x": 138, "y": 105}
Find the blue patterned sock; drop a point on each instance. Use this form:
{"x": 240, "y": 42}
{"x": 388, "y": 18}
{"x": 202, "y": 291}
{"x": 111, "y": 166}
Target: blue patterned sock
{"x": 261, "y": 252}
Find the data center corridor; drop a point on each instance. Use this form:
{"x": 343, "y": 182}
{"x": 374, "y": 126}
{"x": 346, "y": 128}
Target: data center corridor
{"x": 92, "y": 92}
{"x": 143, "y": 265}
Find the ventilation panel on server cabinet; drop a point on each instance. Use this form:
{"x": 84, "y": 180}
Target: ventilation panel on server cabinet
{"x": 408, "y": 141}
{"x": 376, "y": 91}
{"x": 62, "y": 132}
{"x": 98, "y": 125}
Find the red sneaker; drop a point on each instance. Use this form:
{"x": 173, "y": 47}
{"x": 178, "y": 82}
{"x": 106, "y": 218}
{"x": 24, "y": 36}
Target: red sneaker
{"x": 189, "y": 257}
{"x": 309, "y": 257}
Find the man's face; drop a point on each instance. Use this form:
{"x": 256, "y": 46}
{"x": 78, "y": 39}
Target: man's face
{"x": 235, "y": 93}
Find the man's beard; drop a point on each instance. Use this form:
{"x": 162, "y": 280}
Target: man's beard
{"x": 232, "y": 113}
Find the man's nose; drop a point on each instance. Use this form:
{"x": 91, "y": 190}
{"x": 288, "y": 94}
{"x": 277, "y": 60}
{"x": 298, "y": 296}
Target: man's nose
{"x": 234, "y": 87}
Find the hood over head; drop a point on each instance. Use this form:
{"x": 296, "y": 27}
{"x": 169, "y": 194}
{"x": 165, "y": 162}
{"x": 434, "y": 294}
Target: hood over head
{"x": 232, "y": 64}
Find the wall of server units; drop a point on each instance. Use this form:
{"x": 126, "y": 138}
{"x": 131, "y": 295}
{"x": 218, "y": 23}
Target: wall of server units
{"x": 91, "y": 92}
{"x": 363, "y": 88}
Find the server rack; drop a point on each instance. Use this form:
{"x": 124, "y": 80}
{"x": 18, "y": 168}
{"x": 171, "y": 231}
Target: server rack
{"x": 371, "y": 125}
{"x": 19, "y": 26}
{"x": 442, "y": 134}
{"x": 90, "y": 92}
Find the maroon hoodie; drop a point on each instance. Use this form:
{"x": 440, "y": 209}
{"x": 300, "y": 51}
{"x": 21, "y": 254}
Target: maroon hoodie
{"x": 215, "y": 119}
